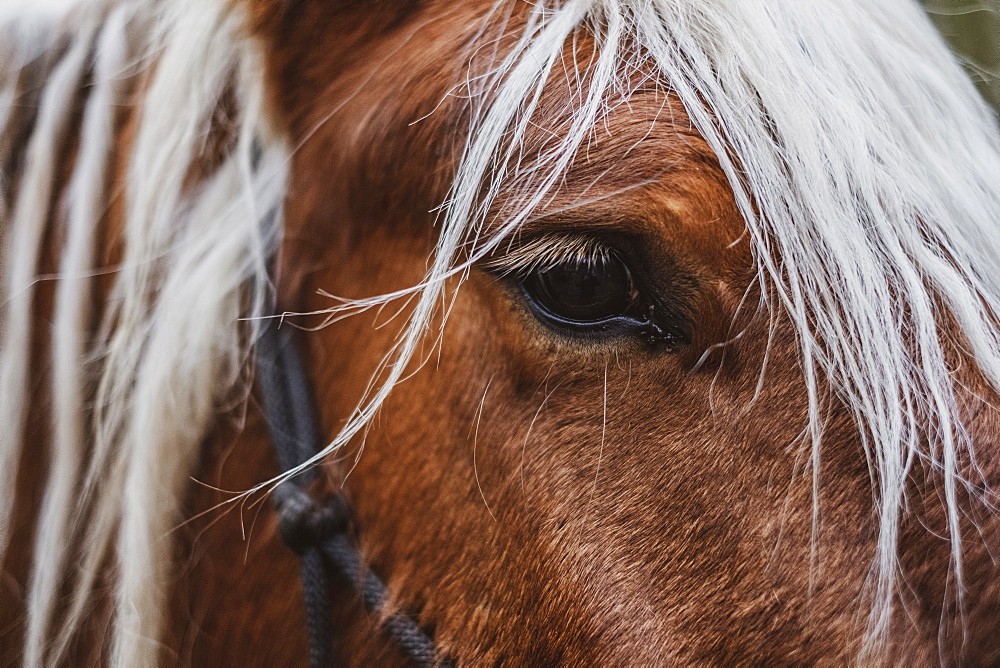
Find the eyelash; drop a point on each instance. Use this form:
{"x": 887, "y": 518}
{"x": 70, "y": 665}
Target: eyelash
{"x": 547, "y": 252}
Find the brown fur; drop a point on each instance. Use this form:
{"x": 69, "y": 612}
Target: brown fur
{"x": 528, "y": 499}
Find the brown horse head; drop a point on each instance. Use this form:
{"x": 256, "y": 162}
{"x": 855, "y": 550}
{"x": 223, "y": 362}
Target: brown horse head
{"x": 640, "y": 333}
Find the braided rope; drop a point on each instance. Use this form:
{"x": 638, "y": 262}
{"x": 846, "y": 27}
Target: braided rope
{"x": 318, "y": 532}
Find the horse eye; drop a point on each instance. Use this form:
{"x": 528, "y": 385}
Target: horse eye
{"x": 585, "y": 290}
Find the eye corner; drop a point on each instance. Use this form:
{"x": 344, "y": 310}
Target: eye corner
{"x": 658, "y": 337}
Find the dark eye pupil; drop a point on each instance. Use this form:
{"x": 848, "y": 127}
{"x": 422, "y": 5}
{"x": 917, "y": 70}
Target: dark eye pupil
{"x": 586, "y": 290}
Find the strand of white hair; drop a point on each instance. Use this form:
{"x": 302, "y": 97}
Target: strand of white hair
{"x": 173, "y": 342}
{"x": 85, "y": 207}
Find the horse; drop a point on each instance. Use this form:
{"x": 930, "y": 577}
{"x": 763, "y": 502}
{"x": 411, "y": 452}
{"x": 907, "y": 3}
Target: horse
{"x": 641, "y": 332}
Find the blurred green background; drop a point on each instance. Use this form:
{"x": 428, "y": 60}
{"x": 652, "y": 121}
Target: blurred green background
{"x": 973, "y": 28}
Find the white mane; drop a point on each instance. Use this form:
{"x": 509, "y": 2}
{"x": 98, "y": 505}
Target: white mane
{"x": 171, "y": 344}
{"x": 865, "y": 164}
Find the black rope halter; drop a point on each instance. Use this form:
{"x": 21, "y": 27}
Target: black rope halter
{"x": 318, "y": 531}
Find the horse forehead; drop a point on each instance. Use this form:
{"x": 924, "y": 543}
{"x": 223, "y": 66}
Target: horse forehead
{"x": 410, "y": 91}
{"x": 644, "y": 170}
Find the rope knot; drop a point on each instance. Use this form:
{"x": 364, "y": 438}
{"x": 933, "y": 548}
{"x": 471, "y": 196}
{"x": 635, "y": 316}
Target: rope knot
{"x": 304, "y": 523}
